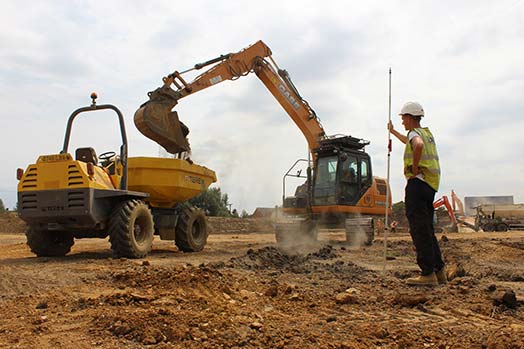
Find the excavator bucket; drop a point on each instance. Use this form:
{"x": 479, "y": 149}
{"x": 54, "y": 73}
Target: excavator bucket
{"x": 157, "y": 122}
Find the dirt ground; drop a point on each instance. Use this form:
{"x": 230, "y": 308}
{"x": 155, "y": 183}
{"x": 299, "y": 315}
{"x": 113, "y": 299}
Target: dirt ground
{"x": 242, "y": 291}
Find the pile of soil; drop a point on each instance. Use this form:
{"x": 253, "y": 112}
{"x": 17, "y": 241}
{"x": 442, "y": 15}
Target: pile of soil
{"x": 11, "y": 224}
{"x": 249, "y": 293}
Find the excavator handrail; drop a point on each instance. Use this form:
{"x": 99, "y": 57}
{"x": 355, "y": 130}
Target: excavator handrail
{"x": 298, "y": 175}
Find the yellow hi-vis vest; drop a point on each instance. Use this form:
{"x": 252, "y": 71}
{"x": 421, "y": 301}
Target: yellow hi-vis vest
{"x": 428, "y": 164}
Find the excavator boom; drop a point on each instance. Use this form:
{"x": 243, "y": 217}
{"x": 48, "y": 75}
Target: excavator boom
{"x": 156, "y": 120}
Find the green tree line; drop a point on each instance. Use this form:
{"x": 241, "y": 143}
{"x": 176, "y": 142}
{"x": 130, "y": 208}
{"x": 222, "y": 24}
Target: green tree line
{"x": 215, "y": 203}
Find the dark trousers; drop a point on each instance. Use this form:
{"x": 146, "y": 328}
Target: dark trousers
{"x": 419, "y": 211}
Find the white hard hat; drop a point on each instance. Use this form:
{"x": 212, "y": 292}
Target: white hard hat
{"x": 412, "y": 108}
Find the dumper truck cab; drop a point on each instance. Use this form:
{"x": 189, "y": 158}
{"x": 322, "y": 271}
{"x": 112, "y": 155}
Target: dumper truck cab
{"x": 129, "y": 199}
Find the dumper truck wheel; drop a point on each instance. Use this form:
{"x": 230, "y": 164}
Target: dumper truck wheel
{"x": 502, "y": 227}
{"x": 45, "y": 243}
{"x": 131, "y": 229}
{"x": 191, "y": 230}
{"x": 488, "y": 227}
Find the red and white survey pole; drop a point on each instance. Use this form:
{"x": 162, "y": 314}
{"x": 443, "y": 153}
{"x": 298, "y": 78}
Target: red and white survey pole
{"x": 386, "y": 219}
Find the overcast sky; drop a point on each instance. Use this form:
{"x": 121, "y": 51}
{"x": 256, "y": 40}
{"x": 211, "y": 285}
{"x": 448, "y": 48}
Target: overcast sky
{"x": 462, "y": 60}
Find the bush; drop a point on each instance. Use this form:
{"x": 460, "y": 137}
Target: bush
{"x": 213, "y": 202}
{"x": 398, "y": 209}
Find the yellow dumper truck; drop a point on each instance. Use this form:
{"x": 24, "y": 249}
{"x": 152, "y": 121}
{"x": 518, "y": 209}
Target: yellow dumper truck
{"x": 129, "y": 199}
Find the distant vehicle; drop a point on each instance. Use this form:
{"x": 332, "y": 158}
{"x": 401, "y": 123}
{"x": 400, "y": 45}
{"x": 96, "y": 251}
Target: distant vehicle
{"x": 499, "y": 217}
{"x": 444, "y": 201}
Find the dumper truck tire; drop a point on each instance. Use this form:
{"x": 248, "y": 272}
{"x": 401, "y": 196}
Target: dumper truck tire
{"x": 488, "y": 227}
{"x": 131, "y": 229}
{"x": 45, "y": 243}
{"x": 191, "y": 230}
{"x": 502, "y": 227}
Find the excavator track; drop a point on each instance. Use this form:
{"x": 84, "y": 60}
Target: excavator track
{"x": 296, "y": 231}
{"x": 360, "y": 231}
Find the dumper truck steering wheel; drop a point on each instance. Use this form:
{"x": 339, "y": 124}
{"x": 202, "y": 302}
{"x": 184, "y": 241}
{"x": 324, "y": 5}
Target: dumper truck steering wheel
{"x": 106, "y": 156}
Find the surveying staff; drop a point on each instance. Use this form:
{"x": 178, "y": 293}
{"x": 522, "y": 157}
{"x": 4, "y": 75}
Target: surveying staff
{"x": 422, "y": 171}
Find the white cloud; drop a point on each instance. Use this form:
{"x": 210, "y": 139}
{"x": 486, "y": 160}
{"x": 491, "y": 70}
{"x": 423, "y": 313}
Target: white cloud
{"x": 462, "y": 60}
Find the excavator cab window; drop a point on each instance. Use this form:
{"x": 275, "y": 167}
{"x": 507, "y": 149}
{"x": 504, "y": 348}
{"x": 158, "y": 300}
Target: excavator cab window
{"x": 349, "y": 187}
{"x": 365, "y": 172}
{"x": 325, "y": 189}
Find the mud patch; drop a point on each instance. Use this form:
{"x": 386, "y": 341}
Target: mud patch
{"x": 513, "y": 244}
{"x": 265, "y": 298}
{"x": 164, "y": 277}
{"x": 270, "y": 257}
{"x": 325, "y": 252}
{"x": 322, "y": 261}
{"x": 149, "y": 327}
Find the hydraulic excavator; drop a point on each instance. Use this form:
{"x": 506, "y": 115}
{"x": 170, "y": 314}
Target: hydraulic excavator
{"x": 444, "y": 201}
{"x": 455, "y": 210}
{"x": 340, "y": 189}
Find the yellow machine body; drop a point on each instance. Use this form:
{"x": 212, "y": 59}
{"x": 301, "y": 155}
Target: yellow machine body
{"x": 60, "y": 171}
{"x": 63, "y": 198}
{"x": 168, "y": 181}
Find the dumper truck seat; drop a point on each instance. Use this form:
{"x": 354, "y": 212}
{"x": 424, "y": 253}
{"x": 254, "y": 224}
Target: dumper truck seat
{"x": 87, "y": 154}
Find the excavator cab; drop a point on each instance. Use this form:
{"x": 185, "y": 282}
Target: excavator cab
{"x": 341, "y": 175}
{"x": 343, "y": 171}
{"x": 325, "y": 181}
{"x": 355, "y": 177}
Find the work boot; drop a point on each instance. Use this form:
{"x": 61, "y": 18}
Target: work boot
{"x": 423, "y": 280}
{"x": 441, "y": 276}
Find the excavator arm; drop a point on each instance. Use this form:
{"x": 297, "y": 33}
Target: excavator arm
{"x": 458, "y": 207}
{"x": 156, "y": 120}
{"x": 444, "y": 201}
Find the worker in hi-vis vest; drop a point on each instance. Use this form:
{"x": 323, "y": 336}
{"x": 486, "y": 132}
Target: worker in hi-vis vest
{"x": 422, "y": 171}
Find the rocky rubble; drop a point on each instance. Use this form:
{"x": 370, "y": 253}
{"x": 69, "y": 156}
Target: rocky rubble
{"x": 331, "y": 296}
